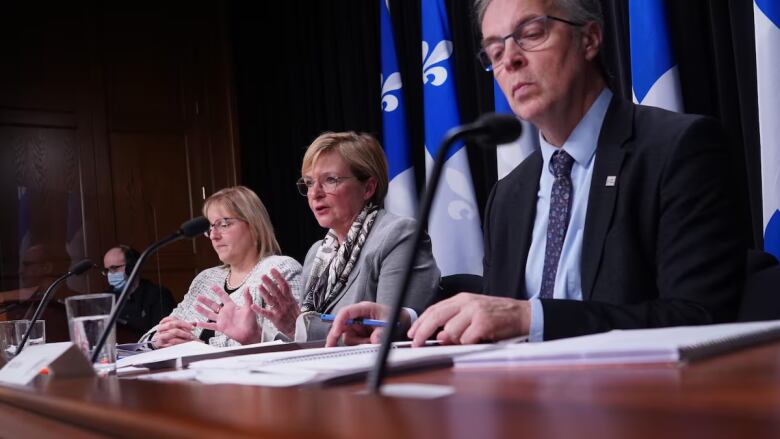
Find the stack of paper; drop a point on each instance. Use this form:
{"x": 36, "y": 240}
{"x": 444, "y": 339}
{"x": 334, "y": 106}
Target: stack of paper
{"x": 660, "y": 345}
{"x": 314, "y": 366}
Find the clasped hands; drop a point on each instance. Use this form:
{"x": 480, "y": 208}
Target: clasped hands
{"x": 462, "y": 319}
{"x": 239, "y": 322}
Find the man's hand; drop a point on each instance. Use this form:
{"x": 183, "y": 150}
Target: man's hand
{"x": 472, "y": 318}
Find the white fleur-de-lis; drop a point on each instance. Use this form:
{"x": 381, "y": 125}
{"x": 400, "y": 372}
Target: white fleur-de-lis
{"x": 436, "y": 74}
{"x": 393, "y": 83}
{"x": 458, "y": 183}
{"x": 459, "y": 210}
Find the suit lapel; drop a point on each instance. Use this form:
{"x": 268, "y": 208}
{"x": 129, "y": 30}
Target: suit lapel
{"x": 522, "y": 211}
{"x": 350, "y": 280}
{"x": 610, "y": 155}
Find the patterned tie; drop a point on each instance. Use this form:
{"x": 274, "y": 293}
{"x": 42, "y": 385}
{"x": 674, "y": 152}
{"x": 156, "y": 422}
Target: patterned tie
{"x": 558, "y": 220}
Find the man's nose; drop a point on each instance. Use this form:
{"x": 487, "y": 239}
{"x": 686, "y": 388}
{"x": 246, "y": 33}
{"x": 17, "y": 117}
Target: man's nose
{"x": 514, "y": 56}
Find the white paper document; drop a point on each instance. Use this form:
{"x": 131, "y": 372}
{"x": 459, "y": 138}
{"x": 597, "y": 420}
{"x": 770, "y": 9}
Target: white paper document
{"x": 172, "y": 356}
{"x": 310, "y": 366}
{"x": 169, "y": 353}
{"x": 639, "y": 346}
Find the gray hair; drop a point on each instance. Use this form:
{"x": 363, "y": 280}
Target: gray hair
{"x": 578, "y": 11}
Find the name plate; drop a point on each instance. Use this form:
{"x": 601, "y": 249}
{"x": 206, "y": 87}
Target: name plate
{"x": 62, "y": 360}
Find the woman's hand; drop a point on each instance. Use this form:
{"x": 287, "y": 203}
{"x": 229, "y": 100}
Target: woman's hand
{"x": 237, "y": 322}
{"x": 282, "y": 307}
{"x": 356, "y": 333}
{"x": 172, "y": 331}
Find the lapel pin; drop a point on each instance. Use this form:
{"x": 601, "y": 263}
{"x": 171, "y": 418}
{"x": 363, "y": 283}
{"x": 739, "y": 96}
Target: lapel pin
{"x": 611, "y": 180}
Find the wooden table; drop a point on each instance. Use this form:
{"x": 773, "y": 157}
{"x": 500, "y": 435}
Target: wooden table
{"x": 735, "y": 395}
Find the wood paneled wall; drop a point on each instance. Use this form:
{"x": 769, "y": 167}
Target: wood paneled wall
{"x": 116, "y": 118}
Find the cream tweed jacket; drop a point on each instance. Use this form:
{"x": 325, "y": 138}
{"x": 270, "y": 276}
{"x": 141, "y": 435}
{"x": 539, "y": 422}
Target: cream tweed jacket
{"x": 288, "y": 267}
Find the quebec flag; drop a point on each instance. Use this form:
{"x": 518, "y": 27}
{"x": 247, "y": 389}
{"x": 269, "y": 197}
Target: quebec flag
{"x": 654, "y": 74}
{"x": 454, "y": 225}
{"x": 509, "y": 155}
{"x": 401, "y": 195}
{"x": 766, "y": 15}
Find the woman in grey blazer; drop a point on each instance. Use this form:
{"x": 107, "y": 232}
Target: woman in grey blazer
{"x": 361, "y": 258}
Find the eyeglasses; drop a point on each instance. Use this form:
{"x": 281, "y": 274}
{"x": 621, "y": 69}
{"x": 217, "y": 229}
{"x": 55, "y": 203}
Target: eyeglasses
{"x": 329, "y": 183}
{"x": 112, "y": 269}
{"x": 528, "y": 35}
{"x": 221, "y": 225}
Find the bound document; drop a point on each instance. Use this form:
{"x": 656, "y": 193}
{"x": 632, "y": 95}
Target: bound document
{"x": 660, "y": 345}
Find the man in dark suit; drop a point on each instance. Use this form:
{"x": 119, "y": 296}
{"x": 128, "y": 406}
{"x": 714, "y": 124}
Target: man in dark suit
{"x": 624, "y": 218}
{"x": 148, "y": 302}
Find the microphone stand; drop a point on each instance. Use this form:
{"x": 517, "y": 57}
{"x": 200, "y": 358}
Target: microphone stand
{"x": 189, "y": 229}
{"x": 480, "y": 129}
{"x": 79, "y": 268}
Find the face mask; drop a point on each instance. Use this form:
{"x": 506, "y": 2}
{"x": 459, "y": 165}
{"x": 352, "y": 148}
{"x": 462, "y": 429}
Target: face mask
{"x": 117, "y": 280}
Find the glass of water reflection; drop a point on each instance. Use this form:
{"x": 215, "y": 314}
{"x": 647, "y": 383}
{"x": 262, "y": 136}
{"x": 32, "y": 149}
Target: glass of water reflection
{"x": 11, "y": 333}
{"x": 87, "y": 317}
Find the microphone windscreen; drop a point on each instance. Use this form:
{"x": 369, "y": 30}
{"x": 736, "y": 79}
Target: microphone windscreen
{"x": 194, "y": 227}
{"x": 499, "y": 128}
{"x": 81, "y": 267}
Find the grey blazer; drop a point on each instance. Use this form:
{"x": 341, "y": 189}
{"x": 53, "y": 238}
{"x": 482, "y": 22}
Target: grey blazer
{"x": 379, "y": 267}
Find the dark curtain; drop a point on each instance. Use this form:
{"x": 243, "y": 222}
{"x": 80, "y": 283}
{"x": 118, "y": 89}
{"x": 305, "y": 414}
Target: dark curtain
{"x": 304, "y": 67}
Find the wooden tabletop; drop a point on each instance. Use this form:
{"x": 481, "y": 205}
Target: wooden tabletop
{"x": 735, "y": 395}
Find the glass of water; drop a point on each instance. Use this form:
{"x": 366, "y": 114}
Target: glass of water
{"x": 87, "y": 318}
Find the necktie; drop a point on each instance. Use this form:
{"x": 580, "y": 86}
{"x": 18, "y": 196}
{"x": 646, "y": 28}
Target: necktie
{"x": 558, "y": 219}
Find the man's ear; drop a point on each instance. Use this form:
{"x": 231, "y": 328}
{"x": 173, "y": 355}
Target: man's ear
{"x": 592, "y": 38}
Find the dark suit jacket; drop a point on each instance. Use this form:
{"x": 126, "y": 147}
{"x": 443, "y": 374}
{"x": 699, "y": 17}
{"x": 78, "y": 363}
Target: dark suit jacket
{"x": 660, "y": 248}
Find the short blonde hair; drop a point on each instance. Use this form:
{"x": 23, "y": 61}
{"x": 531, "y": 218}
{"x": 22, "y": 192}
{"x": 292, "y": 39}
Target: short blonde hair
{"x": 243, "y": 203}
{"x": 362, "y": 153}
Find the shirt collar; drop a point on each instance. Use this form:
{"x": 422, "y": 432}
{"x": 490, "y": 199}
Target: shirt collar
{"x": 582, "y": 142}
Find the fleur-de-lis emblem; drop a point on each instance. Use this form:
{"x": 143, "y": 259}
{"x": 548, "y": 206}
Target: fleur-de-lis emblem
{"x": 458, "y": 183}
{"x": 436, "y": 74}
{"x": 393, "y": 83}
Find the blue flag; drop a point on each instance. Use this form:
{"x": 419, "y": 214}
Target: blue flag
{"x": 509, "y": 155}
{"x": 401, "y": 195}
{"x": 455, "y": 224}
{"x": 766, "y": 16}
{"x": 654, "y": 76}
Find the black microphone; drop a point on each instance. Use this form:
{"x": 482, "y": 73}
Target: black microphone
{"x": 76, "y": 270}
{"x": 189, "y": 229}
{"x": 490, "y": 129}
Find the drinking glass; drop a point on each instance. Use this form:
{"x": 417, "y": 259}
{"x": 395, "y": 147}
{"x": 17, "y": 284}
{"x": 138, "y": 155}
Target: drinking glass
{"x": 88, "y": 315}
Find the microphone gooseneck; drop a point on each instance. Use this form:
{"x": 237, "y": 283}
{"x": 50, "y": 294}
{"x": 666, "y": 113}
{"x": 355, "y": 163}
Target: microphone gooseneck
{"x": 489, "y": 130}
{"x": 189, "y": 229}
{"x": 75, "y": 270}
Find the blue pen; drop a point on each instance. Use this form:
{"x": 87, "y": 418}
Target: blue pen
{"x": 364, "y": 322}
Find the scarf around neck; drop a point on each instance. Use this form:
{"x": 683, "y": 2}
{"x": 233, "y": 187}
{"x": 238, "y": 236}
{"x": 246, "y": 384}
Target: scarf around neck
{"x": 334, "y": 262}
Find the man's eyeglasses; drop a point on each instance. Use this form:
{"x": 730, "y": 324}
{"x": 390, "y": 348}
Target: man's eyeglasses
{"x": 112, "y": 269}
{"x": 528, "y": 35}
{"x": 221, "y": 225}
{"x": 329, "y": 183}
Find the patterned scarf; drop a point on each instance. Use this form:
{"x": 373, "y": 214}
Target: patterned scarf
{"x": 333, "y": 262}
